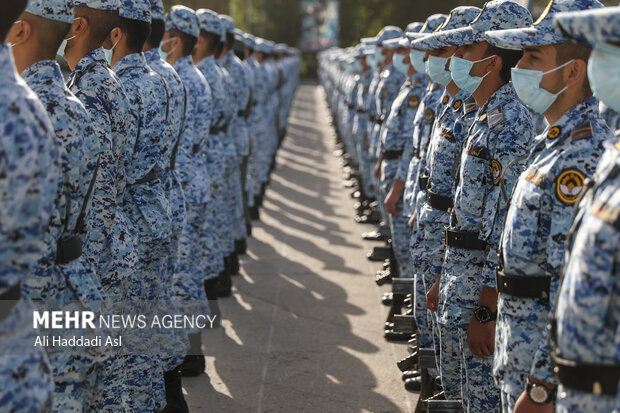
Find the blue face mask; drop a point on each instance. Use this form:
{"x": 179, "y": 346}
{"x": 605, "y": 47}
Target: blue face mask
{"x": 527, "y": 85}
{"x": 604, "y": 72}
{"x": 399, "y": 63}
{"x": 370, "y": 61}
{"x": 417, "y": 60}
{"x": 460, "y": 68}
{"x": 357, "y": 66}
{"x": 110, "y": 52}
{"x": 162, "y": 54}
{"x": 436, "y": 69}
{"x": 379, "y": 57}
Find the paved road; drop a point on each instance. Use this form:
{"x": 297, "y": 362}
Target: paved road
{"x": 302, "y": 332}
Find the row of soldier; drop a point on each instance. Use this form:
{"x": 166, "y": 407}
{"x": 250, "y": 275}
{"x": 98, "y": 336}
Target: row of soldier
{"x": 483, "y": 143}
{"x": 130, "y": 185}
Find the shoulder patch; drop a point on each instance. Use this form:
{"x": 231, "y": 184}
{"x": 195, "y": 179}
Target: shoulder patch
{"x": 413, "y": 102}
{"x": 445, "y": 99}
{"x": 497, "y": 171}
{"x": 429, "y": 116}
{"x": 581, "y": 131}
{"x": 569, "y": 185}
{"x": 495, "y": 116}
{"x": 554, "y": 132}
{"x": 470, "y": 106}
{"x": 457, "y": 105}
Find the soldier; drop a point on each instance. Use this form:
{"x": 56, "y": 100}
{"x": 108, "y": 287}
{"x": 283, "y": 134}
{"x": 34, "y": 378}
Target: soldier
{"x": 497, "y": 144}
{"x": 29, "y": 180}
{"x": 455, "y": 114}
{"x": 240, "y": 97}
{"x": 585, "y": 347}
{"x": 217, "y": 282}
{"x": 182, "y": 31}
{"x": 183, "y": 288}
{"x": 62, "y": 275}
{"x": 109, "y": 243}
{"x": 145, "y": 201}
{"x": 551, "y": 79}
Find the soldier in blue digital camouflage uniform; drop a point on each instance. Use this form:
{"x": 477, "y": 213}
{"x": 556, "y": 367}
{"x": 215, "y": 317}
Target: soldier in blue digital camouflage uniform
{"x": 184, "y": 290}
{"x": 551, "y": 79}
{"x": 145, "y": 201}
{"x": 611, "y": 116}
{"x": 585, "y": 348}
{"x": 63, "y": 274}
{"x": 182, "y": 31}
{"x": 29, "y": 180}
{"x": 211, "y": 34}
{"x": 455, "y": 114}
{"x": 240, "y": 96}
{"x": 493, "y": 157}
{"x": 109, "y": 243}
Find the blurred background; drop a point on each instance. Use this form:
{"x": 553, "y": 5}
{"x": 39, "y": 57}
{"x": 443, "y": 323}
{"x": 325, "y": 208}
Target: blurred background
{"x": 313, "y": 25}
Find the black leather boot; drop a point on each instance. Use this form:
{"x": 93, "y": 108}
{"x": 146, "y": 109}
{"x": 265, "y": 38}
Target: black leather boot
{"x": 194, "y": 363}
{"x": 175, "y": 401}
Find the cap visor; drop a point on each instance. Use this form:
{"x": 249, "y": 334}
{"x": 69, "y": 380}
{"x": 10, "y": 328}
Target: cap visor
{"x": 589, "y": 26}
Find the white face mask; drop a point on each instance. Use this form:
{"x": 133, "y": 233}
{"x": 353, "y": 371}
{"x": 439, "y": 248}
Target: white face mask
{"x": 63, "y": 45}
{"x": 110, "y": 52}
{"x": 527, "y": 85}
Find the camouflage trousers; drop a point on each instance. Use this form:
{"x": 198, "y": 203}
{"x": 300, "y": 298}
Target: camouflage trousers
{"x": 25, "y": 381}
{"x": 572, "y": 401}
{"x": 235, "y": 198}
{"x": 450, "y": 368}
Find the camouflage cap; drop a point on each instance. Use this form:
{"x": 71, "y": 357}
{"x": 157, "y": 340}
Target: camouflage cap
{"x": 541, "y": 33}
{"x": 414, "y": 27}
{"x": 99, "y": 4}
{"x": 227, "y": 23}
{"x": 397, "y": 43}
{"x": 369, "y": 41}
{"x": 432, "y": 23}
{"x": 249, "y": 40}
{"x": 458, "y": 18}
{"x": 592, "y": 26}
{"x": 210, "y": 22}
{"x": 157, "y": 10}
{"x": 183, "y": 19}
{"x": 387, "y": 33}
{"x": 136, "y": 10}
{"x": 495, "y": 15}
{"x": 58, "y": 10}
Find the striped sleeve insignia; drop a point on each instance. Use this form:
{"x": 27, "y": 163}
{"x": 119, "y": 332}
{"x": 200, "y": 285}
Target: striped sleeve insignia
{"x": 581, "y": 131}
{"x": 448, "y": 134}
{"x": 470, "y": 106}
{"x": 495, "y": 116}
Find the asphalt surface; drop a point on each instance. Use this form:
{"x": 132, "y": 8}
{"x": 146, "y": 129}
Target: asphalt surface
{"x": 303, "y": 329}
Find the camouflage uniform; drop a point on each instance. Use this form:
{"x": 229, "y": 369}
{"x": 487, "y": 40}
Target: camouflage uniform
{"x": 29, "y": 181}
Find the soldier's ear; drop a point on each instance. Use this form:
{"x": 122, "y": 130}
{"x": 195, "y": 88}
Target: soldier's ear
{"x": 79, "y": 27}
{"x": 575, "y": 72}
{"x": 20, "y": 32}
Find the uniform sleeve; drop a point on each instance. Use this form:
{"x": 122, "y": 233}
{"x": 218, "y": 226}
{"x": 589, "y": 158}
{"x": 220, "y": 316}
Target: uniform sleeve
{"x": 508, "y": 149}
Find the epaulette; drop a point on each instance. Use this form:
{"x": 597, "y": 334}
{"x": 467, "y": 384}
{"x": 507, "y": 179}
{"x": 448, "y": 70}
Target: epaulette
{"x": 581, "y": 131}
{"x": 495, "y": 116}
{"x": 470, "y": 106}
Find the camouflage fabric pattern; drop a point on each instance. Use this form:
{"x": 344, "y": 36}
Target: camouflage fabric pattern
{"x": 57, "y": 10}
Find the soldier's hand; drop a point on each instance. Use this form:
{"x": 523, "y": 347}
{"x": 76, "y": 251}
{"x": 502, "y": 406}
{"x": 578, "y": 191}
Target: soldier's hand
{"x": 481, "y": 337}
{"x": 366, "y": 144}
{"x": 411, "y": 221}
{"x": 525, "y": 405}
{"x": 378, "y": 168}
{"x": 432, "y": 296}
{"x": 391, "y": 200}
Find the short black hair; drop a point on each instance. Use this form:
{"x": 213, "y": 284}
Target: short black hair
{"x": 509, "y": 60}
{"x": 188, "y": 41}
{"x": 137, "y": 32}
{"x": 219, "y": 46}
{"x": 101, "y": 21}
{"x": 566, "y": 51}
{"x": 10, "y": 10}
{"x": 51, "y": 33}
{"x": 212, "y": 38}
{"x": 230, "y": 40}
{"x": 158, "y": 28}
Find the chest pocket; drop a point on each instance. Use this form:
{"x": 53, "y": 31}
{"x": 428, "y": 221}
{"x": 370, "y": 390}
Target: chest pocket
{"x": 524, "y": 218}
{"x": 474, "y": 179}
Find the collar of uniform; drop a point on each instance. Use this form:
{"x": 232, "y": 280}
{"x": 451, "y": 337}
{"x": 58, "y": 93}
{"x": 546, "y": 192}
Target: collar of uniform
{"x": 131, "y": 60}
{"x": 43, "y": 73}
{"x": 206, "y": 62}
{"x": 182, "y": 62}
{"x": 458, "y": 101}
{"x": 572, "y": 121}
{"x": 434, "y": 86}
{"x": 417, "y": 77}
{"x": 7, "y": 66}
{"x": 503, "y": 95}
{"x": 94, "y": 56}
{"x": 152, "y": 55}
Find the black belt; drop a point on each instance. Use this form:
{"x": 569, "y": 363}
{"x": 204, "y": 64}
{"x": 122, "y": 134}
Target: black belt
{"x": 360, "y": 111}
{"x": 196, "y": 148}
{"x": 13, "y": 294}
{"x": 596, "y": 379}
{"x": 442, "y": 203}
{"x": 423, "y": 181}
{"x": 218, "y": 129}
{"x": 392, "y": 155}
{"x": 68, "y": 250}
{"x": 465, "y": 240}
{"x": 149, "y": 177}
{"x": 523, "y": 287}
